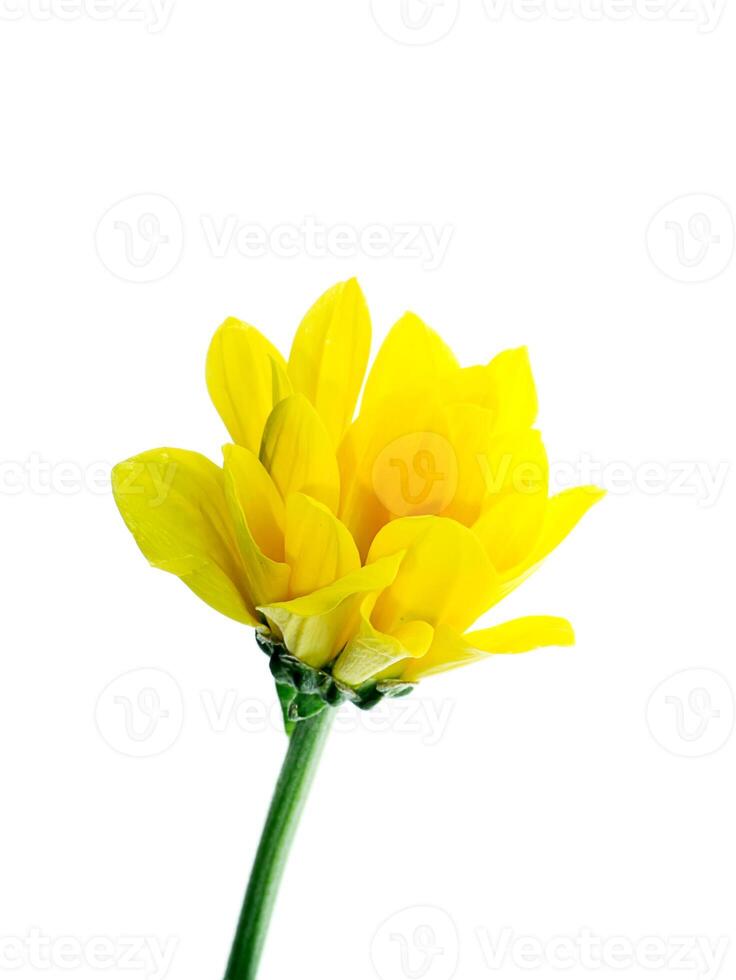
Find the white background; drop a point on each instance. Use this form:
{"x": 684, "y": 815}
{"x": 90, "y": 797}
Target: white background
{"x": 541, "y": 795}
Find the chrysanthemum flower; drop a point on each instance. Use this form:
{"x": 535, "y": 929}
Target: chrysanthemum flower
{"x": 362, "y": 549}
{"x": 365, "y": 547}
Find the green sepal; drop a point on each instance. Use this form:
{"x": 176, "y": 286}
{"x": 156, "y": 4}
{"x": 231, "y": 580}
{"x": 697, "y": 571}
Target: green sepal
{"x": 304, "y": 691}
{"x": 286, "y": 695}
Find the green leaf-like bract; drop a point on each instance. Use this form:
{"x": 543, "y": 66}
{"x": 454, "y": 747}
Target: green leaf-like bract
{"x": 304, "y": 691}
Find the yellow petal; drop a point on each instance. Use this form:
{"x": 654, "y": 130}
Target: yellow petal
{"x": 412, "y": 355}
{"x": 513, "y": 394}
{"x": 514, "y": 462}
{"x": 446, "y": 576}
{"x": 471, "y": 385}
{"x": 173, "y": 502}
{"x": 510, "y": 528}
{"x": 471, "y": 435}
{"x": 505, "y": 387}
{"x": 259, "y": 499}
{"x": 246, "y": 377}
{"x": 562, "y": 513}
{"x": 316, "y": 627}
{"x": 396, "y": 460}
{"x": 319, "y": 548}
{"x": 258, "y": 516}
{"x": 450, "y": 649}
{"x": 298, "y": 454}
{"x": 329, "y": 355}
{"x": 371, "y": 652}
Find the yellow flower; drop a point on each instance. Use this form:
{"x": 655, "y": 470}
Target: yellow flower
{"x": 365, "y": 548}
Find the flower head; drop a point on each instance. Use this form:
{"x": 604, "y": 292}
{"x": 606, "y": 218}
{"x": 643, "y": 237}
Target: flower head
{"x": 362, "y": 549}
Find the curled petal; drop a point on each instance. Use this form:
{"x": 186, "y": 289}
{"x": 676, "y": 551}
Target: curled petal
{"x": 370, "y": 653}
{"x": 451, "y": 649}
{"x": 446, "y": 577}
{"x": 329, "y": 355}
{"x": 298, "y": 454}
{"x": 246, "y": 377}
{"x": 514, "y": 462}
{"x": 396, "y": 461}
{"x": 316, "y": 627}
{"x": 562, "y": 513}
{"x": 511, "y": 527}
{"x": 319, "y": 548}
{"x": 173, "y": 502}
{"x": 411, "y": 356}
{"x": 512, "y": 392}
{"x": 471, "y": 435}
{"x": 259, "y": 499}
{"x": 564, "y": 510}
{"x": 258, "y": 516}
{"x": 504, "y": 387}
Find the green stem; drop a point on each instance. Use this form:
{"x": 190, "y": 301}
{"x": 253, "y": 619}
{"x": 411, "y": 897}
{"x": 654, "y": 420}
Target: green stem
{"x": 297, "y": 772}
